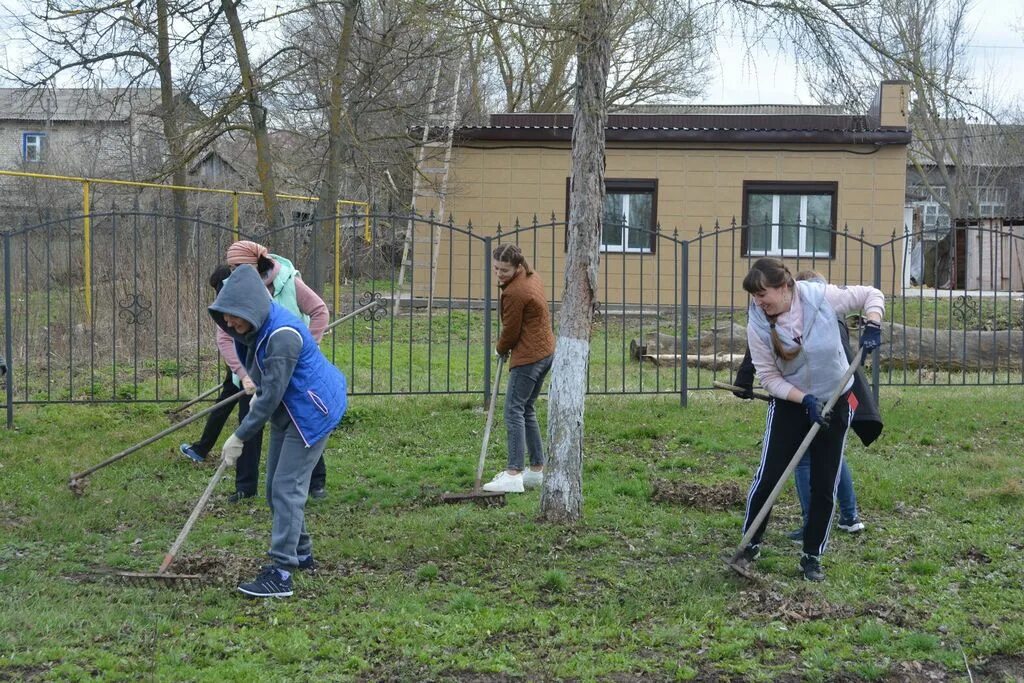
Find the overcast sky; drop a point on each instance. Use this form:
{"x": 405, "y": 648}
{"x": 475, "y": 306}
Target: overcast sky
{"x": 762, "y": 77}
{"x": 997, "y": 52}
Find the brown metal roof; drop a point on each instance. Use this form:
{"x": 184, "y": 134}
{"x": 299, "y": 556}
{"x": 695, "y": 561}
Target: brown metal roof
{"x": 653, "y": 128}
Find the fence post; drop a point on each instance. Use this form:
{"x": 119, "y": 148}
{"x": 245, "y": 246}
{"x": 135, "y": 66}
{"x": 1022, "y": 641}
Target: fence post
{"x": 684, "y": 292}
{"x": 487, "y": 322}
{"x": 874, "y": 354}
{"x": 87, "y": 250}
{"x": 8, "y": 331}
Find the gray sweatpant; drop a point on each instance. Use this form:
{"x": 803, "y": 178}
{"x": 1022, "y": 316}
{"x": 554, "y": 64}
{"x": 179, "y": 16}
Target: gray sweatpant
{"x": 289, "y": 467}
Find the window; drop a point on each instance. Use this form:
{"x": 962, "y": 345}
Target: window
{"x": 629, "y": 224}
{"x": 991, "y": 201}
{"x": 33, "y": 147}
{"x": 933, "y": 211}
{"x": 789, "y": 219}
{"x": 630, "y": 220}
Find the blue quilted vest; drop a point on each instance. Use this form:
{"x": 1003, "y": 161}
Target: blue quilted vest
{"x": 316, "y": 397}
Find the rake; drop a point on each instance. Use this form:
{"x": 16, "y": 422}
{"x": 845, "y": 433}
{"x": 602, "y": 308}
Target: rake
{"x": 162, "y": 575}
{"x": 478, "y": 495}
{"x": 77, "y": 481}
{"x": 735, "y": 562}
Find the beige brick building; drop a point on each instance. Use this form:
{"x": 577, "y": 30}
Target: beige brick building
{"x": 787, "y": 175}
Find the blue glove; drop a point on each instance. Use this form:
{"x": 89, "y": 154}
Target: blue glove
{"x": 870, "y": 336}
{"x": 813, "y": 409}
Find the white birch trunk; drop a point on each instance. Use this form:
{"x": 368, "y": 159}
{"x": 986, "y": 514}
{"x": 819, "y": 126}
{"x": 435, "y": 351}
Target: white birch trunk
{"x": 561, "y": 499}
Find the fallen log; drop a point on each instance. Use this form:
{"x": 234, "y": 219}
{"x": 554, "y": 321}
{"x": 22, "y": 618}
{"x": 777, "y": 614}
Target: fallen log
{"x": 902, "y": 347}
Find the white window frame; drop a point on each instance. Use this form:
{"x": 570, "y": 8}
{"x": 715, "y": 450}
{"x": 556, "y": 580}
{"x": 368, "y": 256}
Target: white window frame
{"x": 624, "y": 247}
{"x": 38, "y": 145}
{"x": 774, "y": 249}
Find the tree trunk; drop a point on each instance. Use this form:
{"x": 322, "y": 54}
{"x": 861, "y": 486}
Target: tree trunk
{"x": 562, "y": 496}
{"x": 327, "y": 205}
{"x": 258, "y": 116}
{"x": 172, "y": 132}
{"x": 951, "y": 350}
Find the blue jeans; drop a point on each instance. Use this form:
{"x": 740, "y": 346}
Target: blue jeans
{"x": 844, "y": 492}
{"x": 521, "y": 427}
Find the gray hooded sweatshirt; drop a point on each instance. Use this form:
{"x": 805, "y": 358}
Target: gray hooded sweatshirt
{"x": 245, "y": 296}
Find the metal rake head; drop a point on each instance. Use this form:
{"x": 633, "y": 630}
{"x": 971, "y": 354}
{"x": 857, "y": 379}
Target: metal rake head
{"x": 481, "y": 498}
{"x": 156, "y": 578}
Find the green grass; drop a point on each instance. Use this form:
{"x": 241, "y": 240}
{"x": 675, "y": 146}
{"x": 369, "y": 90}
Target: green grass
{"x": 412, "y": 590}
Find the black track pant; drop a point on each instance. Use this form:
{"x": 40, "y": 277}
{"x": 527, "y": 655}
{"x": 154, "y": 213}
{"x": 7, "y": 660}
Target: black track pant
{"x": 785, "y": 428}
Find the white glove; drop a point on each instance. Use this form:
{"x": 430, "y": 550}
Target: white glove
{"x": 248, "y": 385}
{"x": 231, "y": 450}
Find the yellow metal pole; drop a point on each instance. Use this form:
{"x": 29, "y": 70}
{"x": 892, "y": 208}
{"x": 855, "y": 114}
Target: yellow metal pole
{"x": 367, "y": 235}
{"x": 234, "y": 216}
{"x": 337, "y": 258}
{"x": 87, "y": 251}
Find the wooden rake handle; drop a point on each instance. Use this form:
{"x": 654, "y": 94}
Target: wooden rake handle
{"x": 487, "y": 426}
{"x": 196, "y": 511}
{"x": 74, "y": 480}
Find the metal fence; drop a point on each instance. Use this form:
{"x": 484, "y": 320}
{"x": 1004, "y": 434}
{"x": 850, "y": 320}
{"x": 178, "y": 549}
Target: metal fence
{"x": 128, "y": 322}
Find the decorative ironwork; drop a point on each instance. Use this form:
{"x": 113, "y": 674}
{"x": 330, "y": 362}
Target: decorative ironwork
{"x": 379, "y": 311}
{"x": 135, "y": 309}
{"x": 963, "y": 308}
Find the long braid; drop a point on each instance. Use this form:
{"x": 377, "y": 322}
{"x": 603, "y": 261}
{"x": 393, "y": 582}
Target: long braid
{"x": 771, "y": 272}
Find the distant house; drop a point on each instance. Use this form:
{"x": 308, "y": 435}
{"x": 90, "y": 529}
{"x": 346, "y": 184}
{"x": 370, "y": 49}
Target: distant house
{"x": 789, "y": 175}
{"x": 112, "y": 132}
{"x": 959, "y": 175}
{"x": 980, "y": 175}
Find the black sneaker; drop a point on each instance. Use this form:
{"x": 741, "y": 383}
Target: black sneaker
{"x": 318, "y": 494}
{"x": 851, "y": 526}
{"x": 271, "y": 583}
{"x": 810, "y": 566}
{"x": 307, "y": 564}
{"x": 239, "y": 496}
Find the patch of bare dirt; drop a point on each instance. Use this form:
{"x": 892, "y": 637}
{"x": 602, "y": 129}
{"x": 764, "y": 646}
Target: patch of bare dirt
{"x": 778, "y": 607}
{"x": 24, "y": 673}
{"x": 1000, "y": 668}
{"x": 918, "y": 672}
{"x": 722, "y": 496}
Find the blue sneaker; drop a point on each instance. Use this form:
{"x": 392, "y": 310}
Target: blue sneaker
{"x": 307, "y": 563}
{"x": 271, "y": 583}
{"x": 186, "y": 450}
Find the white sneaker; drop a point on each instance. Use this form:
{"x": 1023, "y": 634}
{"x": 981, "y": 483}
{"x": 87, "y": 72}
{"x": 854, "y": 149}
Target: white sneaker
{"x": 505, "y": 483}
{"x": 532, "y": 480}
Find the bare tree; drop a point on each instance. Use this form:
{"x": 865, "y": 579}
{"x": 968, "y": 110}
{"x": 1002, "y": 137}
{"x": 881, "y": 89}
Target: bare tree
{"x": 129, "y": 43}
{"x": 562, "y": 495}
{"x": 658, "y": 51}
{"x": 331, "y": 188}
{"x": 257, "y": 114}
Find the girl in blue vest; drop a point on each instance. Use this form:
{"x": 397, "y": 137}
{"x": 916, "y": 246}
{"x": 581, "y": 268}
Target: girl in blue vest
{"x": 795, "y": 345}
{"x": 300, "y": 394}
{"x": 286, "y": 287}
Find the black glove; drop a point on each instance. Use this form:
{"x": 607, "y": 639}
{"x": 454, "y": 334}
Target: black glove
{"x": 812, "y": 406}
{"x": 745, "y": 381}
{"x": 870, "y": 336}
